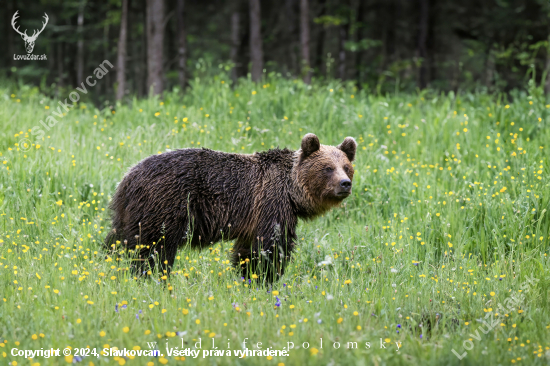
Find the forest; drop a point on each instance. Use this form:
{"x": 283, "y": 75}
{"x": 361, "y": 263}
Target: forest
{"x": 378, "y": 45}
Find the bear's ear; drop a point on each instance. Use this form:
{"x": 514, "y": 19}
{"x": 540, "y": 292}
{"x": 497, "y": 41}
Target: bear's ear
{"x": 348, "y": 146}
{"x": 310, "y": 144}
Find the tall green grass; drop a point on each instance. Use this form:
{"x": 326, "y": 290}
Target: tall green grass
{"x": 447, "y": 219}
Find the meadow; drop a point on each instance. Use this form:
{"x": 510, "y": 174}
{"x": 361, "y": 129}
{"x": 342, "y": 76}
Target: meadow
{"x": 439, "y": 256}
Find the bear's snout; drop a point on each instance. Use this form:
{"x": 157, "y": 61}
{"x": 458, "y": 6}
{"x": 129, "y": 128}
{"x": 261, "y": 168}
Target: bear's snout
{"x": 344, "y": 188}
{"x": 345, "y": 184}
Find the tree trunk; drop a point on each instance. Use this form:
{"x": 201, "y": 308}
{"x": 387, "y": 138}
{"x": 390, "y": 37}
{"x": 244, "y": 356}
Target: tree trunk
{"x": 384, "y": 38}
{"x": 60, "y": 59}
{"x": 80, "y": 44}
{"x": 106, "y": 55}
{"x": 489, "y": 68}
{"x": 342, "y": 53}
{"x": 235, "y": 42}
{"x": 422, "y": 43}
{"x": 140, "y": 51}
{"x": 352, "y": 37}
{"x": 121, "y": 50}
{"x": 360, "y": 31}
{"x": 304, "y": 40}
{"x": 256, "y": 53}
{"x": 291, "y": 38}
{"x": 547, "y": 68}
{"x": 182, "y": 43}
{"x": 140, "y": 62}
{"x": 320, "y": 49}
{"x": 155, "y": 45}
{"x": 9, "y": 32}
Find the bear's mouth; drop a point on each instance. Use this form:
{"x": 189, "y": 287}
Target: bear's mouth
{"x": 343, "y": 194}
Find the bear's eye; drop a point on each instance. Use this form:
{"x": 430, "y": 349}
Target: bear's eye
{"x": 329, "y": 169}
{"x": 346, "y": 169}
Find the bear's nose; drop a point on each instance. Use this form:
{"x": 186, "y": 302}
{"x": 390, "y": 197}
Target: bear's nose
{"x": 346, "y": 184}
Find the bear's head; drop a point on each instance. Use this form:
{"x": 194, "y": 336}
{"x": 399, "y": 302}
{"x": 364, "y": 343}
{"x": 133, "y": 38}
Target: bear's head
{"x": 325, "y": 172}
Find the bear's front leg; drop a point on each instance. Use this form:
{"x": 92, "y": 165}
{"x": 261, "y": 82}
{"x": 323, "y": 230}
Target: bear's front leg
{"x": 267, "y": 256}
{"x": 277, "y": 251}
{"x": 241, "y": 254}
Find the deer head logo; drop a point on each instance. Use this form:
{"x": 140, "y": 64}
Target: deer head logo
{"x": 29, "y": 40}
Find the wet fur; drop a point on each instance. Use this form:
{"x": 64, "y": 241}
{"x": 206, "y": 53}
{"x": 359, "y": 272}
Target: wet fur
{"x": 202, "y": 196}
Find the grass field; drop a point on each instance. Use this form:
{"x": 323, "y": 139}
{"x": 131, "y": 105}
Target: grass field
{"x": 447, "y": 227}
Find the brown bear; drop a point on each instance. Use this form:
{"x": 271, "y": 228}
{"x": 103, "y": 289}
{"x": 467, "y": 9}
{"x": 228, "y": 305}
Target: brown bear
{"x": 201, "y": 196}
